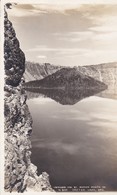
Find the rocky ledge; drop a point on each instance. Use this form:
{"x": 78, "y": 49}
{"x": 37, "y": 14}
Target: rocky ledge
{"x": 20, "y": 174}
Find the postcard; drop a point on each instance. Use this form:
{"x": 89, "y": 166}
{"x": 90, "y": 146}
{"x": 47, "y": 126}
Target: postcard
{"x": 59, "y": 96}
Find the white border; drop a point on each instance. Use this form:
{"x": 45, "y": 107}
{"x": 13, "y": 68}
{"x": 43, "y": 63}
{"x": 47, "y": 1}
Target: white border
{"x": 51, "y": 2}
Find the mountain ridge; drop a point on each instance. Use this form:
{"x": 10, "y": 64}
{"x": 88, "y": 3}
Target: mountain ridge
{"x": 66, "y": 79}
{"x": 105, "y": 72}
{"x": 37, "y": 71}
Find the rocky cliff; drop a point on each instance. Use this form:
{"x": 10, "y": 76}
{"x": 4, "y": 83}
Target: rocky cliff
{"x": 20, "y": 173}
{"x": 37, "y": 71}
{"x": 106, "y": 73}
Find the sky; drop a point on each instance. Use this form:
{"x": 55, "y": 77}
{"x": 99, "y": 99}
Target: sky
{"x": 66, "y": 34}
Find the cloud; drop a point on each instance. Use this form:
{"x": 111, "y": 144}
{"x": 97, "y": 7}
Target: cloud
{"x": 68, "y": 33}
{"x": 58, "y": 146}
{"x": 57, "y": 8}
{"x": 103, "y": 124}
{"x": 68, "y": 52}
{"x": 25, "y": 10}
{"x": 104, "y": 28}
{"x": 106, "y": 23}
{"x": 107, "y": 117}
{"x": 59, "y": 49}
{"x": 105, "y": 33}
{"x": 75, "y": 50}
{"x": 90, "y": 11}
{"x": 107, "y": 37}
{"x": 83, "y": 54}
{"x": 41, "y": 57}
{"x": 75, "y": 36}
{"x": 100, "y": 13}
{"x": 42, "y": 48}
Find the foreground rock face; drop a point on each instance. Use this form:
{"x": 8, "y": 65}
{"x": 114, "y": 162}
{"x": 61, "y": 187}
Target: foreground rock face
{"x": 13, "y": 55}
{"x": 20, "y": 173}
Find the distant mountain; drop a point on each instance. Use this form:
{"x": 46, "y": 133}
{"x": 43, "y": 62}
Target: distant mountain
{"x": 37, "y": 71}
{"x": 106, "y": 73}
{"x": 67, "y": 78}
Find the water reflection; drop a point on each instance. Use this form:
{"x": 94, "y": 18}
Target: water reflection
{"x": 75, "y": 143}
{"x": 64, "y": 97}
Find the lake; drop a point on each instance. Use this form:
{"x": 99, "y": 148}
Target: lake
{"x": 75, "y": 144}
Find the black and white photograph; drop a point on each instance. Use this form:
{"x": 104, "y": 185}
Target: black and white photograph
{"x": 60, "y": 96}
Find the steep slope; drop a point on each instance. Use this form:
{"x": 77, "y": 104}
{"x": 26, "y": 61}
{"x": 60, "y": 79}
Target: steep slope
{"x": 37, "y": 71}
{"x": 13, "y": 55}
{"x": 106, "y": 73}
{"x": 19, "y": 173}
{"x": 67, "y": 78}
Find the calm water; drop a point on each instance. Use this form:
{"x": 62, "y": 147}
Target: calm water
{"x": 76, "y": 144}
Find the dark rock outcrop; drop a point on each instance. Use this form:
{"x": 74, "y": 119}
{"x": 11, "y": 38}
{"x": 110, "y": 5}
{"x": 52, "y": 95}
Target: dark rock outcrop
{"x": 20, "y": 173}
{"x": 13, "y": 55}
